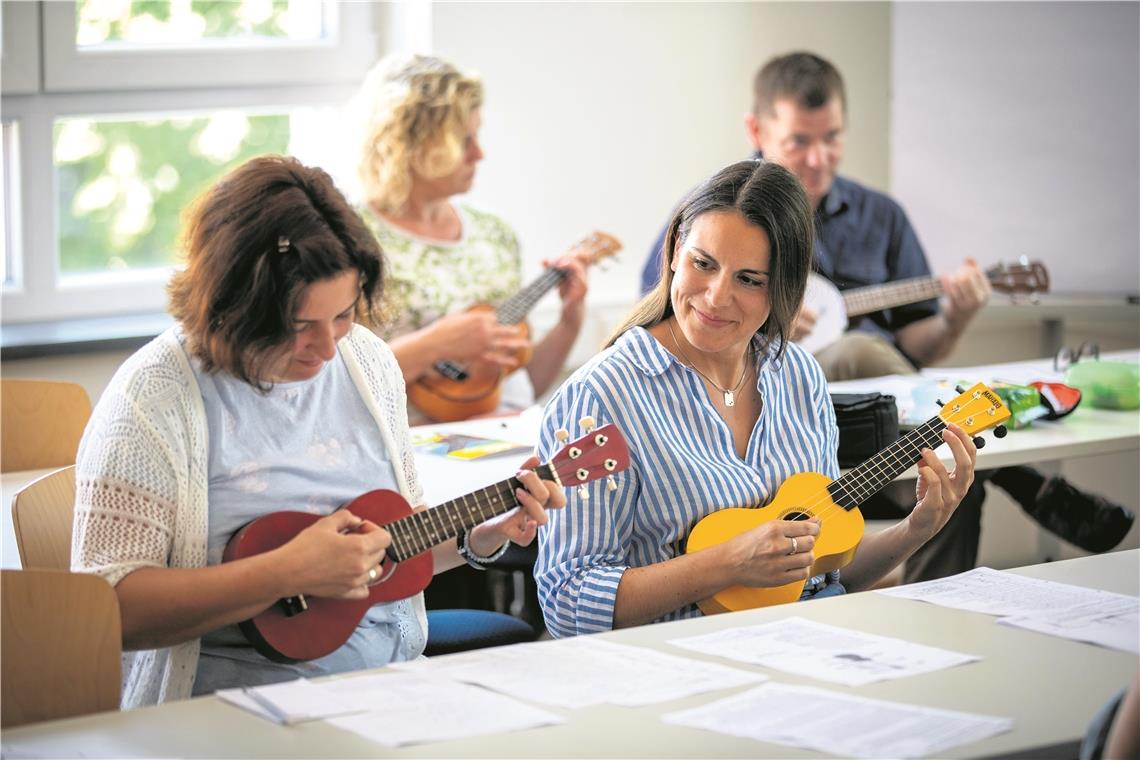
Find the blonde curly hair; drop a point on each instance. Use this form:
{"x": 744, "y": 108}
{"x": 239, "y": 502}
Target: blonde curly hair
{"x": 415, "y": 111}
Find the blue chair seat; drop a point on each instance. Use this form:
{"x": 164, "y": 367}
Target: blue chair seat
{"x": 459, "y": 630}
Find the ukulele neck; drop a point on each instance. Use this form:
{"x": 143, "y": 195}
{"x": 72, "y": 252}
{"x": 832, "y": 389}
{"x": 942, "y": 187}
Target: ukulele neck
{"x": 514, "y": 309}
{"x": 420, "y": 531}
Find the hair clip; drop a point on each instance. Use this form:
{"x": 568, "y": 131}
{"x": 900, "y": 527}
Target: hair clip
{"x": 282, "y": 244}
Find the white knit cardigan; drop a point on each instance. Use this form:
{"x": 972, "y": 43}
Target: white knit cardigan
{"x": 141, "y": 481}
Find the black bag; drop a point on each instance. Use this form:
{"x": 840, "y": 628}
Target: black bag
{"x": 868, "y": 423}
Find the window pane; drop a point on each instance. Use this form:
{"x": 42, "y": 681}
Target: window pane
{"x": 199, "y": 22}
{"x": 123, "y": 184}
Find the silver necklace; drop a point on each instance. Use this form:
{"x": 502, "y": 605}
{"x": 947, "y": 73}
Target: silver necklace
{"x": 729, "y": 395}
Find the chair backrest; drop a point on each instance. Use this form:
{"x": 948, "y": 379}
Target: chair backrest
{"x": 42, "y": 515}
{"x": 41, "y": 422}
{"x": 60, "y": 646}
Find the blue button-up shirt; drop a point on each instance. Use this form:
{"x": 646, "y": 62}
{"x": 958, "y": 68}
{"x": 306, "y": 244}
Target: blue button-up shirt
{"x": 683, "y": 466}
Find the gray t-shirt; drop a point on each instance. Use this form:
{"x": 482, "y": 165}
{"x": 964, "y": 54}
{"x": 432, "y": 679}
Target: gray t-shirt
{"x": 308, "y": 446}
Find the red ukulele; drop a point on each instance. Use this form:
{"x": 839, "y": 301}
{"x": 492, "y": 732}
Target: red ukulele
{"x": 305, "y": 628}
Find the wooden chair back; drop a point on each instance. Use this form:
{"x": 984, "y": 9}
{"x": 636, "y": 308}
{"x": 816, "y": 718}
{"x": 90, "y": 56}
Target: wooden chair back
{"x": 42, "y": 515}
{"x": 41, "y": 422}
{"x": 60, "y": 646}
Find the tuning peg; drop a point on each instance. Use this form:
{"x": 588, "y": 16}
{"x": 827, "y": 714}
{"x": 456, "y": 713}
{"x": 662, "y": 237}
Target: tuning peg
{"x": 583, "y": 493}
{"x": 940, "y": 402}
{"x": 611, "y": 484}
{"x": 587, "y": 423}
{"x": 1000, "y": 431}
{"x": 562, "y": 434}
{"x": 979, "y": 442}
{"x": 959, "y": 389}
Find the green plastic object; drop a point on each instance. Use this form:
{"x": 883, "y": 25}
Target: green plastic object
{"x": 1106, "y": 384}
{"x": 1023, "y": 402}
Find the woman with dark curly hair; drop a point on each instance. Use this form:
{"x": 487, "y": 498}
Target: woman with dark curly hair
{"x": 265, "y": 396}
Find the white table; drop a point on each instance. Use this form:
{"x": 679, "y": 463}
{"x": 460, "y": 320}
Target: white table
{"x": 1050, "y": 687}
{"x": 1086, "y": 432}
{"x": 444, "y": 478}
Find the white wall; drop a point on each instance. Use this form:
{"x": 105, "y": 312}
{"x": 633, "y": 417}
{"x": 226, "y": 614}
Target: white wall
{"x": 1016, "y": 130}
{"x": 601, "y": 115}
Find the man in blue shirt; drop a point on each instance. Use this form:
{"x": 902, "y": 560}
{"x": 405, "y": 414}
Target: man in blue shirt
{"x": 798, "y": 119}
{"x": 863, "y": 237}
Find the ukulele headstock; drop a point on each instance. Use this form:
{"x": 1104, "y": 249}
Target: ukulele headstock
{"x": 1021, "y": 278}
{"x": 595, "y": 247}
{"x": 600, "y": 453}
{"x": 975, "y": 410}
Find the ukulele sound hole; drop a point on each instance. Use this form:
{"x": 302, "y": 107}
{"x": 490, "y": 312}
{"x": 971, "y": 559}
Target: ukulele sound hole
{"x": 797, "y": 516}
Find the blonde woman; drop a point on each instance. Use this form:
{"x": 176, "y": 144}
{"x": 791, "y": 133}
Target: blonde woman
{"x": 420, "y": 150}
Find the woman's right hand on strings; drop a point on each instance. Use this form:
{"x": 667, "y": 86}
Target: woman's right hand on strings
{"x": 332, "y": 557}
{"x": 477, "y": 335}
{"x": 763, "y": 556}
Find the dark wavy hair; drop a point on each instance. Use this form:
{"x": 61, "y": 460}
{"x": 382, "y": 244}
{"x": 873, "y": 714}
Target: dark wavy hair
{"x": 766, "y": 195}
{"x": 253, "y": 242}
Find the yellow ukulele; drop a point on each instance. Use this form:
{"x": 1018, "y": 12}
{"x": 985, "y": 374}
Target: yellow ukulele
{"x": 836, "y": 503}
{"x": 453, "y": 391}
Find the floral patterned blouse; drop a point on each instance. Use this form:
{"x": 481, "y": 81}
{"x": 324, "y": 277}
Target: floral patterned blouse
{"x": 427, "y": 279}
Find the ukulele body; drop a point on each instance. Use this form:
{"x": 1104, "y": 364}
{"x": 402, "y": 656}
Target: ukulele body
{"x": 443, "y": 399}
{"x": 802, "y": 496}
{"x": 286, "y": 633}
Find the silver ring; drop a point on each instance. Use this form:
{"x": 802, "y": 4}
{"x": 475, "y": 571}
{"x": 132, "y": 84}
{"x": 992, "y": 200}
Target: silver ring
{"x": 372, "y": 575}
{"x": 795, "y": 546}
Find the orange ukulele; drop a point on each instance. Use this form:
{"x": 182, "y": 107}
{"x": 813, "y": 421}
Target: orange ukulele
{"x": 836, "y": 503}
{"x": 454, "y": 391}
{"x": 307, "y": 627}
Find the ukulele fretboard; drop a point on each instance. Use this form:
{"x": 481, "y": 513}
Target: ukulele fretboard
{"x": 422, "y": 530}
{"x": 514, "y": 309}
{"x": 872, "y": 475}
{"x": 878, "y": 297}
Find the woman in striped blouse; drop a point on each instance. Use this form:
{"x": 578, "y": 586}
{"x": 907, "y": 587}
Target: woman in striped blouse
{"x": 719, "y": 409}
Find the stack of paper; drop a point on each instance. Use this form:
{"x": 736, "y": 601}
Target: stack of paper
{"x": 584, "y": 671}
{"x": 825, "y": 652}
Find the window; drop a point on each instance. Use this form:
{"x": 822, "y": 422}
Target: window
{"x": 10, "y": 223}
{"x": 141, "y": 44}
{"x": 122, "y": 183}
{"x": 139, "y": 107}
{"x": 167, "y": 23}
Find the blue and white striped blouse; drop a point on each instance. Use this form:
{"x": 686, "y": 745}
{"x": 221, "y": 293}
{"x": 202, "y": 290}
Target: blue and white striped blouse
{"x": 683, "y": 465}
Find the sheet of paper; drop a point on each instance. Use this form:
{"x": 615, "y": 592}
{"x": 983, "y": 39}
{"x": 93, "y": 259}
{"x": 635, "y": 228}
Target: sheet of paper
{"x": 1112, "y": 620}
{"x": 289, "y": 702}
{"x": 995, "y": 593}
{"x": 584, "y": 671}
{"x": 848, "y": 726}
{"x": 829, "y": 653}
{"x": 410, "y": 708}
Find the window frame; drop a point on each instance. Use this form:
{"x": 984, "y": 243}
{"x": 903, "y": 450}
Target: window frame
{"x": 20, "y": 52}
{"x": 344, "y": 56}
{"x": 36, "y": 291}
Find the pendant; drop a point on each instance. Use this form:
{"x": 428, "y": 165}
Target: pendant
{"x": 729, "y": 399}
